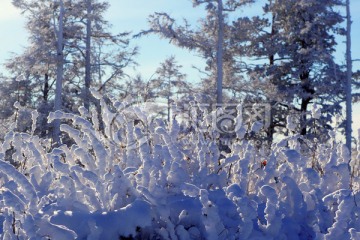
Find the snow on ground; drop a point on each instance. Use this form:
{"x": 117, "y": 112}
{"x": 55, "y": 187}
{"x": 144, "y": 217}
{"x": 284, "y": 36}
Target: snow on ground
{"x": 146, "y": 180}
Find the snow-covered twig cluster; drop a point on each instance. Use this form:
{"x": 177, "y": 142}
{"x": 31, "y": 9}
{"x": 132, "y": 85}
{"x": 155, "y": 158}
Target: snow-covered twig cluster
{"x": 133, "y": 176}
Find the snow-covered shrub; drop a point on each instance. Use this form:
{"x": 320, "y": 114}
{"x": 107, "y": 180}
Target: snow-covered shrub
{"x": 139, "y": 177}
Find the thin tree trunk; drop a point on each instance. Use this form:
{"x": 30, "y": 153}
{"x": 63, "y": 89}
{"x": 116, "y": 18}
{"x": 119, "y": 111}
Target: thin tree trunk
{"x": 348, "y": 129}
{"x": 88, "y": 56}
{"x": 305, "y": 101}
{"x": 46, "y": 88}
{"x": 303, "y": 119}
{"x": 307, "y": 90}
{"x": 271, "y": 130}
{"x": 59, "y": 72}
{"x": 168, "y": 101}
{"x": 219, "y": 53}
{"x": 45, "y": 106}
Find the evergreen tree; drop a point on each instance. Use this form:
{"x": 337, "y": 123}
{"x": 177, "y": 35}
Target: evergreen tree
{"x": 170, "y": 77}
{"x": 211, "y": 39}
{"x": 59, "y": 52}
{"x": 298, "y": 40}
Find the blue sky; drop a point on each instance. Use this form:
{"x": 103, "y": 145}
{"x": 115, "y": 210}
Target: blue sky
{"x": 130, "y": 15}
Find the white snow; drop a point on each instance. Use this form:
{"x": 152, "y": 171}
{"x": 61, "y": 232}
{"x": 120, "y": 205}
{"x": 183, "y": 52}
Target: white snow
{"x": 174, "y": 184}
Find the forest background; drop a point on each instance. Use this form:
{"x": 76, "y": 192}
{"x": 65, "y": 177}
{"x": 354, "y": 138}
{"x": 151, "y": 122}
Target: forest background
{"x": 132, "y": 16}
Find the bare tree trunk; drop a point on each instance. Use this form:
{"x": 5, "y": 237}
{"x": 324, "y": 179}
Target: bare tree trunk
{"x": 303, "y": 118}
{"x": 219, "y": 53}
{"x": 45, "y": 106}
{"x": 88, "y": 56}
{"x": 307, "y": 89}
{"x": 305, "y": 101}
{"x": 348, "y": 129}
{"x": 59, "y": 71}
{"x": 168, "y": 101}
{"x": 46, "y": 88}
{"x": 271, "y": 129}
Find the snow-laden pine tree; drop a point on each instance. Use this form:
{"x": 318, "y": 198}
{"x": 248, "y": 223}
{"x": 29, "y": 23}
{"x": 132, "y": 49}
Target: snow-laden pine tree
{"x": 36, "y": 66}
{"x": 211, "y": 39}
{"x": 304, "y": 66}
{"x": 99, "y": 56}
{"x": 297, "y": 41}
{"x": 41, "y": 62}
{"x": 171, "y": 81}
{"x": 45, "y": 56}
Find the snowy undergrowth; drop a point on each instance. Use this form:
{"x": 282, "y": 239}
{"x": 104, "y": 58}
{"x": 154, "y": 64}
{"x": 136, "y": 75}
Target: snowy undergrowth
{"x": 143, "y": 179}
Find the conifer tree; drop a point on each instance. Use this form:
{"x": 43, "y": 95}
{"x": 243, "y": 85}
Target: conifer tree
{"x": 211, "y": 39}
{"x": 170, "y": 77}
{"x": 297, "y": 38}
{"x": 69, "y": 44}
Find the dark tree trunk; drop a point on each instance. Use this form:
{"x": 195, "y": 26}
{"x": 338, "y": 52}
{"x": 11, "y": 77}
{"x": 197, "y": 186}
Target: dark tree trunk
{"x": 46, "y": 88}
{"x": 45, "y": 107}
{"x": 308, "y": 93}
{"x": 271, "y": 130}
{"x": 88, "y": 56}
